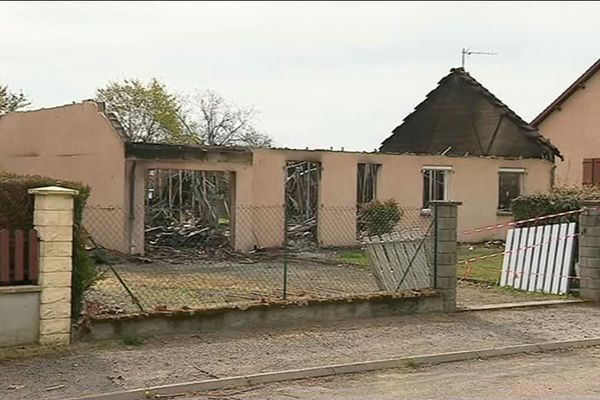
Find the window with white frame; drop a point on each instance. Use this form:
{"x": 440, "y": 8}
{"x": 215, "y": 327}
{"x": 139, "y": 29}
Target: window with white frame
{"x": 510, "y": 186}
{"x": 435, "y": 184}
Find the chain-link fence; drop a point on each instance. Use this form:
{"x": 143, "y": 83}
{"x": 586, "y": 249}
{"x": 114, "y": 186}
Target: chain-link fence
{"x": 259, "y": 254}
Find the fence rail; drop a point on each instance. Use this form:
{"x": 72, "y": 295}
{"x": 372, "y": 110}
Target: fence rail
{"x": 18, "y": 257}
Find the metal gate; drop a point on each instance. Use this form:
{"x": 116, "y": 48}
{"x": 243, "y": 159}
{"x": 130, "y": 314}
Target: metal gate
{"x": 539, "y": 258}
{"x": 402, "y": 260}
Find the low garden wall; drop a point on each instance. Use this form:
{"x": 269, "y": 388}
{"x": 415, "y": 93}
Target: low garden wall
{"x": 276, "y": 315}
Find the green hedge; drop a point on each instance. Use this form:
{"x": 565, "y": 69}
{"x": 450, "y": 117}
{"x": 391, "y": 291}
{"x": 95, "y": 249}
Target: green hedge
{"x": 556, "y": 200}
{"x": 16, "y": 212}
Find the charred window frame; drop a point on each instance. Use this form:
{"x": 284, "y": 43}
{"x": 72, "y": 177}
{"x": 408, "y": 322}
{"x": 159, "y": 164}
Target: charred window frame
{"x": 510, "y": 186}
{"x": 366, "y": 185}
{"x": 436, "y": 181}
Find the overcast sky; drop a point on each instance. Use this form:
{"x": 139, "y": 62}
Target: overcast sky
{"x": 322, "y": 74}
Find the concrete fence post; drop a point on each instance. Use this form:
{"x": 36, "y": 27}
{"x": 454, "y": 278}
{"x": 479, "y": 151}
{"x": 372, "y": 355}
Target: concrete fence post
{"x": 53, "y": 220}
{"x": 445, "y": 235}
{"x": 589, "y": 251}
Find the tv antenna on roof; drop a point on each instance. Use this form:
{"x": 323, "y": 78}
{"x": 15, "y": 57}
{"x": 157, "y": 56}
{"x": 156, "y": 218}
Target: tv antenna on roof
{"x": 468, "y": 52}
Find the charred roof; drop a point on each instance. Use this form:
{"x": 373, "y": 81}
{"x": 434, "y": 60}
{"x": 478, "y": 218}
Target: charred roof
{"x": 462, "y": 117}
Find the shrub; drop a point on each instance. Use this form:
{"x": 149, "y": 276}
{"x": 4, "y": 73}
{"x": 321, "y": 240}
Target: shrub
{"x": 16, "y": 212}
{"x": 555, "y": 200}
{"x": 377, "y": 218}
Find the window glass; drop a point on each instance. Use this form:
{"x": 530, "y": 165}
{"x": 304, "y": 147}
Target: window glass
{"x": 509, "y": 188}
{"x": 434, "y": 185}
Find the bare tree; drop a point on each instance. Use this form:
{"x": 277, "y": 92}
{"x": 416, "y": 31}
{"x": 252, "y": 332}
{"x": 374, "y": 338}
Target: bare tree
{"x": 216, "y": 122}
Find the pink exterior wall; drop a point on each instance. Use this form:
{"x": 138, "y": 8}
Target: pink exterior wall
{"x": 72, "y": 142}
{"x": 244, "y": 215}
{"x": 473, "y": 180}
{"x": 76, "y": 142}
{"x": 575, "y": 130}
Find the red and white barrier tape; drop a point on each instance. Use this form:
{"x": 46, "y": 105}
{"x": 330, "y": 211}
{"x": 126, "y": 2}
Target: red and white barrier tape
{"x": 469, "y": 261}
{"x": 520, "y": 274}
{"x": 524, "y": 221}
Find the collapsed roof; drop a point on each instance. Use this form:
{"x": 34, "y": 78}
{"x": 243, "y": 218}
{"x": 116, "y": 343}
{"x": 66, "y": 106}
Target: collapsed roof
{"x": 461, "y": 117}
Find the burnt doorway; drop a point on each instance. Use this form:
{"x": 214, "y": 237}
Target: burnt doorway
{"x": 187, "y": 209}
{"x": 302, "y": 184}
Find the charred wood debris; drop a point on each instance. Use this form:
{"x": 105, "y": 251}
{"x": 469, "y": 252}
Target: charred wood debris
{"x": 187, "y": 213}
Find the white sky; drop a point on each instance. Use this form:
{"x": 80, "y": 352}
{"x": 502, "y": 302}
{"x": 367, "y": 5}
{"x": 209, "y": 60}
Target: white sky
{"x": 322, "y": 74}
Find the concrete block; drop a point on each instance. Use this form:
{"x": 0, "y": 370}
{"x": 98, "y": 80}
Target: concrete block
{"x": 53, "y": 217}
{"x": 589, "y": 262}
{"x": 55, "y": 295}
{"x": 446, "y": 211}
{"x": 446, "y": 282}
{"x": 586, "y": 220}
{"x": 56, "y": 339}
{"x": 589, "y": 241}
{"x": 591, "y": 252}
{"x": 447, "y": 271}
{"x": 446, "y": 235}
{"x": 449, "y": 295}
{"x": 55, "y": 280}
{"x": 55, "y": 310}
{"x": 54, "y": 326}
{"x": 449, "y": 306}
{"x": 589, "y": 294}
{"x": 592, "y": 273}
{"x": 591, "y": 230}
{"x": 52, "y": 202}
{"x": 55, "y": 233}
{"x": 56, "y": 249}
{"x": 446, "y": 259}
{"x": 446, "y": 246}
{"x": 447, "y": 222}
{"x": 589, "y": 283}
{"x": 55, "y": 264}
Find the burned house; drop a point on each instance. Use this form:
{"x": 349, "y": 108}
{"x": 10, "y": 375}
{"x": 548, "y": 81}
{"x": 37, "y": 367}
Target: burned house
{"x": 461, "y": 143}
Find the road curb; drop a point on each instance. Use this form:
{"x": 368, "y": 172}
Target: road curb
{"x": 339, "y": 369}
{"x": 535, "y": 303}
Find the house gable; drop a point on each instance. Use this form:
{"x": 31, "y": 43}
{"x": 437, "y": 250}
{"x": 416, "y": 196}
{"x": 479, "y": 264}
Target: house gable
{"x": 461, "y": 117}
{"x": 580, "y": 83}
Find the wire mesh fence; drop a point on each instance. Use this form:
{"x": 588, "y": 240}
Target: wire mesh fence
{"x": 258, "y": 255}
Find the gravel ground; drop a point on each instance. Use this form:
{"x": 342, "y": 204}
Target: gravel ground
{"x": 166, "y": 360}
{"x": 555, "y": 375}
{"x": 478, "y": 294}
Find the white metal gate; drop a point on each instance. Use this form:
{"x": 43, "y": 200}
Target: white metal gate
{"x": 401, "y": 260}
{"x": 539, "y": 258}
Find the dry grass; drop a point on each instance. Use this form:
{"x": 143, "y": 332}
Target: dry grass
{"x": 223, "y": 284}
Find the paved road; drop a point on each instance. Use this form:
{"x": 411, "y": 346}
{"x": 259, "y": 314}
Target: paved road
{"x": 557, "y": 375}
